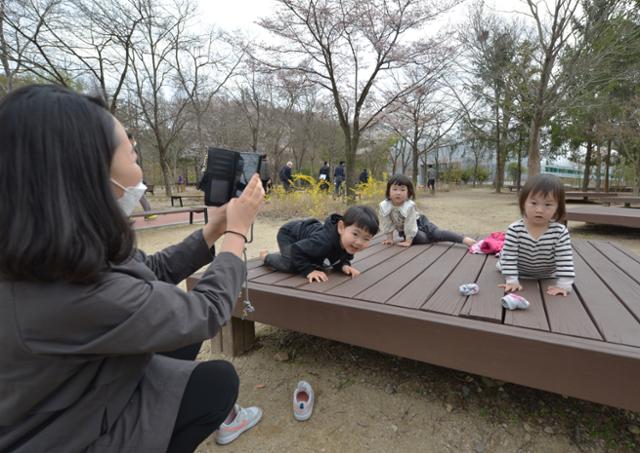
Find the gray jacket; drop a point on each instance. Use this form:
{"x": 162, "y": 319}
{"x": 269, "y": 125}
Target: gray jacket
{"x": 77, "y": 365}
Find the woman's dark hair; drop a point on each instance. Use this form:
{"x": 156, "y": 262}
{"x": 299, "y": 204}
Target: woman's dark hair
{"x": 401, "y": 180}
{"x": 544, "y": 184}
{"x": 363, "y": 217}
{"x": 59, "y": 220}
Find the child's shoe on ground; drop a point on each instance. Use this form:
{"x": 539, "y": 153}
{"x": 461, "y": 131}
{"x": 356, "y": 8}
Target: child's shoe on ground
{"x": 245, "y": 418}
{"x": 303, "y": 401}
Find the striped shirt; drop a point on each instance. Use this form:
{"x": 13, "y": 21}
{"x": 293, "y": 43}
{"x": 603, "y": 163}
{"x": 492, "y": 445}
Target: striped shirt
{"x": 550, "y": 256}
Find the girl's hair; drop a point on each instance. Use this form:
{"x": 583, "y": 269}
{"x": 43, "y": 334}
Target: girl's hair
{"x": 400, "y": 180}
{"x": 59, "y": 219}
{"x": 363, "y": 217}
{"x": 544, "y": 184}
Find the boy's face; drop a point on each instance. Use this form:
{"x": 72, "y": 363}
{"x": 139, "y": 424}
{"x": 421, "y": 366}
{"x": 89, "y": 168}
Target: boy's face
{"x": 353, "y": 238}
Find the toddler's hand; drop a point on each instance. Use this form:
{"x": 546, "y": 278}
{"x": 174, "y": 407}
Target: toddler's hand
{"x": 387, "y": 242}
{"x": 510, "y": 287}
{"x": 556, "y": 291}
{"x": 404, "y": 243}
{"x": 317, "y": 276}
{"x": 350, "y": 271}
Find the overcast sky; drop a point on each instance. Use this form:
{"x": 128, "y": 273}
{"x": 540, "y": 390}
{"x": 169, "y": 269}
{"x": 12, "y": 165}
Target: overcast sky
{"x": 242, "y": 14}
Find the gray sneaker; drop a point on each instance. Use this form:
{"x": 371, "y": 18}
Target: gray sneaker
{"x": 246, "y": 418}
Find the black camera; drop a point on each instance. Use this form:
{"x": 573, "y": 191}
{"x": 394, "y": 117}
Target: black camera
{"x": 226, "y": 174}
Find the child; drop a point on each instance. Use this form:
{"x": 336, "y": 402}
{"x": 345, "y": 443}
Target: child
{"x": 305, "y": 244}
{"x": 398, "y": 213}
{"x": 537, "y": 246}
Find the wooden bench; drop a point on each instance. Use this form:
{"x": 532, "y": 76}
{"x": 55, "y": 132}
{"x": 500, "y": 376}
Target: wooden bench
{"x": 587, "y": 196}
{"x": 626, "y": 200}
{"x": 406, "y": 302}
{"x": 181, "y": 197}
{"x": 190, "y": 209}
{"x": 150, "y": 189}
{"x": 606, "y": 215}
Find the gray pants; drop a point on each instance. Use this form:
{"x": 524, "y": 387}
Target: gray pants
{"x": 145, "y": 204}
{"x": 429, "y": 232}
{"x": 282, "y": 261}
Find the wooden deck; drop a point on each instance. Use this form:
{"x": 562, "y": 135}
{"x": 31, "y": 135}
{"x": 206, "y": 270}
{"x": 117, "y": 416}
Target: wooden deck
{"x": 607, "y": 215}
{"x": 406, "y": 302}
{"x": 626, "y": 200}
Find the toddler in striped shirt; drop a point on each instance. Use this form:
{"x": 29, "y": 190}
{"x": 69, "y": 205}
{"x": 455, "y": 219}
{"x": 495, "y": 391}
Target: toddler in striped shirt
{"x": 538, "y": 246}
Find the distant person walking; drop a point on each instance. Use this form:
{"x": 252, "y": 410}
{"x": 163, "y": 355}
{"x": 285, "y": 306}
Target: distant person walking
{"x": 364, "y": 176}
{"x": 431, "y": 178}
{"x": 285, "y": 176}
{"x": 338, "y": 177}
{"x": 323, "y": 176}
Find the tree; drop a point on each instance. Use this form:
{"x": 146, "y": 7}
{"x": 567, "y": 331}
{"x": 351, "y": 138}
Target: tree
{"x": 555, "y": 29}
{"x": 154, "y": 76}
{"x": 345, "y": 47}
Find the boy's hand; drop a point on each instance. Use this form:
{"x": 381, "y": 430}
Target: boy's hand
{"x": 317, "y": 276}
{"x": 405, "y": 243}
{"x": 557, "y": 291}
{"x": 350, "y": 271}
{"x": 510, "y": 287}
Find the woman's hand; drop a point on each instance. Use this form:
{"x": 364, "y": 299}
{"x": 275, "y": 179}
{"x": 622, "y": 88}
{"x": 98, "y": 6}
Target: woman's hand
{"x": 240, "y": 214}
{"x": 242, "y": 211}
{"x": 217, "y": 224}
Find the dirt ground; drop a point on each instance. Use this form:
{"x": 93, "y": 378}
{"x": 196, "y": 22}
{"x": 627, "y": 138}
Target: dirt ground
{"x": 373, "y": 402}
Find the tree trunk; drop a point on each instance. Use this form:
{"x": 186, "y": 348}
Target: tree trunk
{"x": 607, "y": 166}
{"x": 499, "y": 168}
{"x": 164, "y": 165}
{"x": 414, "y": 157}
{"x": 533, "y": 164}
{"x": 598, "y": 167}
{"x": 587, "y": 166}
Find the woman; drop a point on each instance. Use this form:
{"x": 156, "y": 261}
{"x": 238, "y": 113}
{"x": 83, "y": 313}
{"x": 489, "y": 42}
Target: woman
{"x": 83, "y": 314}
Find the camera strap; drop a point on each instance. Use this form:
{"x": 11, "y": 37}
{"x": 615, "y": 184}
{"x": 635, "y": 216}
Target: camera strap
{"x": 247, "y": 307}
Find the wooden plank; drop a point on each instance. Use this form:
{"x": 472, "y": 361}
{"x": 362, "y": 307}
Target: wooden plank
{"x": 486, "y": 304}
{"x": 612, "y": 319}
{"x": 625, "y": 288}
{"x": 272, "y": 278}
{"x": 382, "y": 291}
{"x": 299, "y": 280}
{"x": 606, "y": 215}
{"x": 533, "y": 317}
{"x": 415, "y": 293}
{"x": 567, "y": 315}
{"x": 367, "y": 263}
{"x": 447, "y": 298}
{"x": 627, "y": 264}
{"x": 625, "y": 250}
{"x": 259, "y": 271}
{"x": 357, "y": 285}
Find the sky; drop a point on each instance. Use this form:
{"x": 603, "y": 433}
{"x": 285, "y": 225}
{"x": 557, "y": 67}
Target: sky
{"x": 242, "y": 14}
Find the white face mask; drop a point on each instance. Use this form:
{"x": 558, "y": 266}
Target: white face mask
{"x": 131, "y": 196}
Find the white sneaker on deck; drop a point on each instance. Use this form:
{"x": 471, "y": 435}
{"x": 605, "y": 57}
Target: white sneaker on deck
{"x": 246, "y": 418}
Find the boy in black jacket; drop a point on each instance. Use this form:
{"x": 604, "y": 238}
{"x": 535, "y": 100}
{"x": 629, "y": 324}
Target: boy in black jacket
{"x": 305, "y": 244}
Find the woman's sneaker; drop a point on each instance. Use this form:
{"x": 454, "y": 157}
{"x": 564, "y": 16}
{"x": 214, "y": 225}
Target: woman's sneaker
{"x": 245, "y": 419}
{"x": 303, "y": 401}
